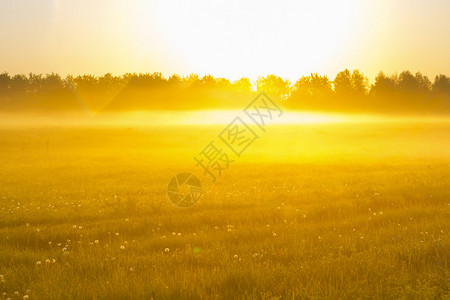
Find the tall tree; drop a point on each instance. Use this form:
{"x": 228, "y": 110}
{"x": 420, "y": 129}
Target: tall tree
{"x": 243, "y": 85}
{"x": 274, "y": 86}
{"x": 359, "y": 83}
{"x": 441, "y": 85}
{"x": 383, "y": 86}
{"x": 343, "y": 83}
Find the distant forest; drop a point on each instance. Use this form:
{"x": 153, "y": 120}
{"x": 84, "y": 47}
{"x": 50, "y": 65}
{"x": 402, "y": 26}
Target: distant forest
{"x": 348, "y": 92}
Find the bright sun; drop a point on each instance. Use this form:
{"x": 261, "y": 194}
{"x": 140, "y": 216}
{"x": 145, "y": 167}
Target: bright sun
{"x": 244, "y": 38}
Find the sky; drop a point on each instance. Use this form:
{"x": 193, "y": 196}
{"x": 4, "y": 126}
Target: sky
{"x": 229, "y": 38}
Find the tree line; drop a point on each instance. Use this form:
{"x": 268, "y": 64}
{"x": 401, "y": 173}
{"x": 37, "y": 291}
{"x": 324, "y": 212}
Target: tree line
{"x": 349, "y": 91}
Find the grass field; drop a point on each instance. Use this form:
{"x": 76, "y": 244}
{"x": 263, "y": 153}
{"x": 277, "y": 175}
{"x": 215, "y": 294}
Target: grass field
{"x": 334, "y": 211}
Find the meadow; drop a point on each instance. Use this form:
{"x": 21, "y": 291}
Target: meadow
{"x": 348, "y": 210}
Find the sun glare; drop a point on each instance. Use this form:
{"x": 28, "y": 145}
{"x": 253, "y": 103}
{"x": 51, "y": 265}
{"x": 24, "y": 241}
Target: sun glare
{"x": 252, "y": 38}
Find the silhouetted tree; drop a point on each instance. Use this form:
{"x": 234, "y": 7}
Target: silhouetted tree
{"x": 5, "y": 81}
{"x": 348, "y": 84}
{"x": 359, "y": 83}
{"x": 174, "y": 80}
{"x": 131, "y": 91}
{"x": 243, "y": 85}
{"x": 441, "y": 86}
{"x": 19, "y": 86}
{"x": 311, "y": 92}
{"x": 223, "y": 83}
{"x": 192, "y": 81}
{"x": 383, "y": 86}
{"x": 313, "y": 86}
{"x": 208, "y": 81}
{"x": 343, "y": 83}
{"x": 274, "y": 86}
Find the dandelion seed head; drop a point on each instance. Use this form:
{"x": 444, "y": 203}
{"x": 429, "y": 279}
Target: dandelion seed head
{"x": 122, "y": 247}
{"x": 38, "y": 262}
{"x": 167, "y": 250}
{"x": 96, "y": 241}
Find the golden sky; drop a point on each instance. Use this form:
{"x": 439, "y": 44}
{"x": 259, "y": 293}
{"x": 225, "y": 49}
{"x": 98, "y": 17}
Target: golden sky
{"x": 229, "y": 38}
